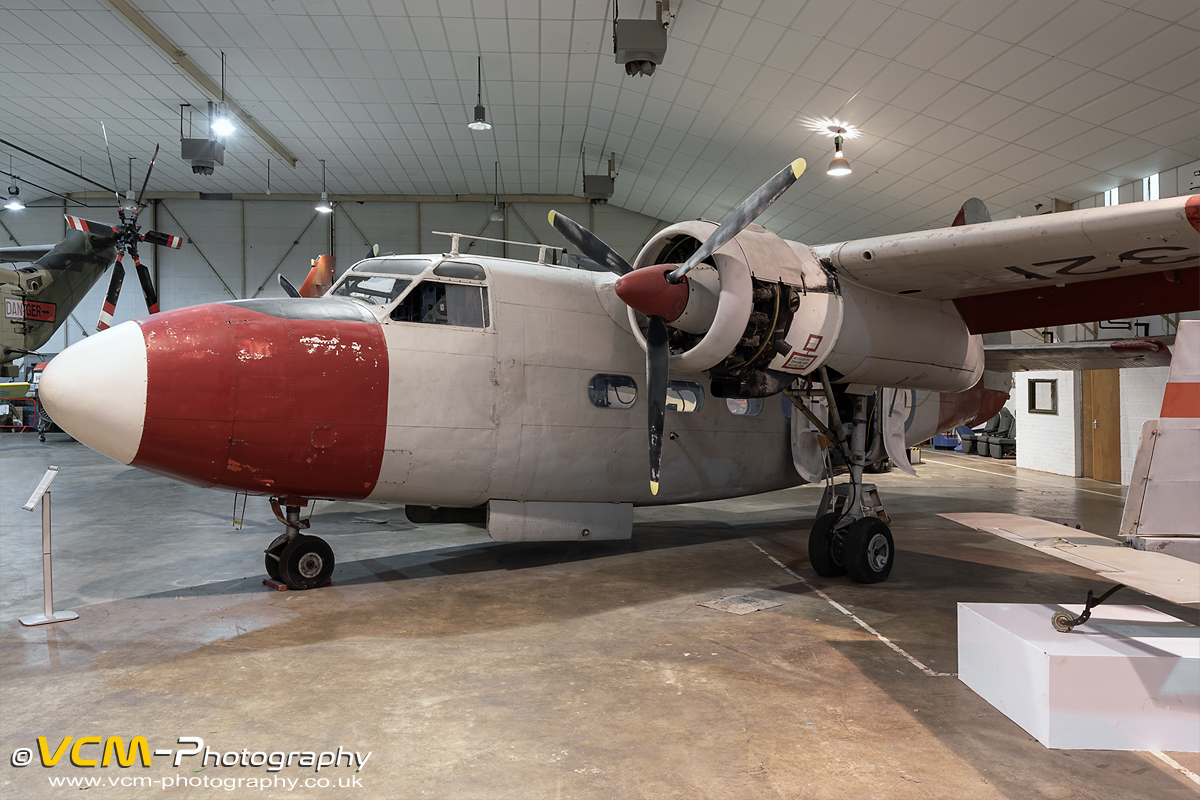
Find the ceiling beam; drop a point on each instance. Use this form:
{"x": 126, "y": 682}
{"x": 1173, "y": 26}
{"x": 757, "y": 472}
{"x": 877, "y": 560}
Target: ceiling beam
{"x": 554, "y": 199}
{"x": 188, "y": 67}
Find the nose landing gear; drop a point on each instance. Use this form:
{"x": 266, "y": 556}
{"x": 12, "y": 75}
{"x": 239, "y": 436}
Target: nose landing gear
{"x": 297, "y": 560}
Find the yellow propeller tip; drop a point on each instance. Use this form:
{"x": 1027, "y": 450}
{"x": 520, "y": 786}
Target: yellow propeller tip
{"x": 654, "y": 487}
{"x": 550, "y": 216}
{"x": 798, "y": 167}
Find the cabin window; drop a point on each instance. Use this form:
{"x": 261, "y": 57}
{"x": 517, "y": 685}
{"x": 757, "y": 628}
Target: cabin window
{"x": 435, "y": 303}
{"x": 393, "y": 266}
{"x": 744, "y": 406}
{"x": 684, "y": 396}
{"x": 372, "y": 289}
{"x": 612, "y": 391}
{"x": 460, "y": 270}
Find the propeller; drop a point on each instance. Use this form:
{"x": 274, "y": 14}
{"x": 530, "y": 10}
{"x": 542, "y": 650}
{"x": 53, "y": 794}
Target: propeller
{"x": 660, "y": 292}
{"x": 128, "y": 236}
{"x": 589, "y": 244}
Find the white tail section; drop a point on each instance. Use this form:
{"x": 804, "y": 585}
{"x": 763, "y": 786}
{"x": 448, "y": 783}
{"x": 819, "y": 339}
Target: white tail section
{"x": 1164, "y": 491}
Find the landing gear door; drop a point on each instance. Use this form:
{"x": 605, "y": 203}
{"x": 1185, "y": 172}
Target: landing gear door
{"x": 895, "y": 405}
{"x": 808, "y": 444}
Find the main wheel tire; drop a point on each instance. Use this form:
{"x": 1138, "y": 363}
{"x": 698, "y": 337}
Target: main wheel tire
{"x": 825, "y": 548}
{"x": 306, "y": 563}
{"x": 869, "y": 550}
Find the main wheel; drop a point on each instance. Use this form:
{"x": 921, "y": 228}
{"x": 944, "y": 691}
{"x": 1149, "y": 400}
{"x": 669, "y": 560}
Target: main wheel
{"x": 869, "y": 551}
{"x": 306, "y": 563}
{"x": 825, "y": 548}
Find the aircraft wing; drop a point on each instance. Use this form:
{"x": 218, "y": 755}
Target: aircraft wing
{"x": 1147, "y": 571}
{"x": 1110, "y": 354}
{"x": 1054, "y": 269}
{"x": 12, "y": 255}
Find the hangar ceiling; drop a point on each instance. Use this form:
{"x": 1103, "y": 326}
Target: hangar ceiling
{"x": 1014, "y": 101}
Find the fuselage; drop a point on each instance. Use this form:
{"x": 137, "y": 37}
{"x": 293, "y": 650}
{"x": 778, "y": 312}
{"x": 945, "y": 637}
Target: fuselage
{"x": 425, "y": 380}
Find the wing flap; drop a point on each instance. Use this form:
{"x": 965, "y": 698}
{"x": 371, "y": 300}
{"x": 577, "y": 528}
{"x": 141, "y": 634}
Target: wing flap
{"x": 1112, "y": 354}
{"x": 1151, "y": 572}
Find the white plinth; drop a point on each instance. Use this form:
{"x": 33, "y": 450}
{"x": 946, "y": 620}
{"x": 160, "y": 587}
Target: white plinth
{"x": 1127, "y": 679}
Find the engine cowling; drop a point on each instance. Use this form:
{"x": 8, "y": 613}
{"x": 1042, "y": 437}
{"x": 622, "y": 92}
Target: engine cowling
{"x": 762, "y": 311}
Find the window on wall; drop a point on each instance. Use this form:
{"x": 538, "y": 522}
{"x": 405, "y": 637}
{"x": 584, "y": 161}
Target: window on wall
{"x": 1111, "y": 198}
{"x": 612, "y": 391}
{"x": 1043, "y": 396}
{"x": 684, "y": 396}
{"x": 436, "y": 303}
{"x": 1150, "y": 187}
{"x": 744, "y": 406}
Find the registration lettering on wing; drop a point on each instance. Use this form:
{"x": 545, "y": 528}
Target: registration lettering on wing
{"x": 31, "y": 310}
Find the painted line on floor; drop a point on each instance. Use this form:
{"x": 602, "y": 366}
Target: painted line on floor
{"x": 1170, "y": 762}
{"x": 856, "y": 618}
{"x": 1021, "y": 477}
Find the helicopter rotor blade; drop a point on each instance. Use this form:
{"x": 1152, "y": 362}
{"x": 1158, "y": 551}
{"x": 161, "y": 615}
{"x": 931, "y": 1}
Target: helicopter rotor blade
{"x": 120, "y": 208}
{"x": 112, "y": 295}
{"x": 138, "y": 206}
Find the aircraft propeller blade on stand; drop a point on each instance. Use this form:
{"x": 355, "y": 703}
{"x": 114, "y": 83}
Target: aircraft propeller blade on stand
{"x": 660, "y": 292}
{"x": 128, "y": 236}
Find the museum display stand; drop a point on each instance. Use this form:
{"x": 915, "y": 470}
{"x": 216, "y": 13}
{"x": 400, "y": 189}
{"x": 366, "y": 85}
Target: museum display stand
{"x": 1127, "y": 679}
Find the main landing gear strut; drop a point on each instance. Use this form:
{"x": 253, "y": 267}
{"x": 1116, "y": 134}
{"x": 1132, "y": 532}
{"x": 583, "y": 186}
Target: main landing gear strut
{"x": 297, "y": 560}
{"x": 853, "y": 538}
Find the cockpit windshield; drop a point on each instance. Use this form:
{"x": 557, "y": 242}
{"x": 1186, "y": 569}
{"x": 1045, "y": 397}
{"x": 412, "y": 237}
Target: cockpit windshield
{"x": 374, "y": 289}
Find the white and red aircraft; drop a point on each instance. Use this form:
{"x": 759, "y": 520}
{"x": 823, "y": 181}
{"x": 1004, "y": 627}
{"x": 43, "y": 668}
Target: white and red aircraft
{"x": 511, "y": 386}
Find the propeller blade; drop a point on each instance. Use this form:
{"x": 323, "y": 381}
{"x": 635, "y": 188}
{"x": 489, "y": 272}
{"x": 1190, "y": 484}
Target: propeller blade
{"x": 287, "y": 286}
{"x": 589, "y": 243}
{"x": 117, "y": 192}
{"x": 164, "y": 239}
{"x": 142, "y": 193}
{"x": 89, "y": 226}
{"x": 147, "y": 285}
{"x": 110, "y": 298}
{"x": 741, "y": 216}
{"x": 658, "y": 360}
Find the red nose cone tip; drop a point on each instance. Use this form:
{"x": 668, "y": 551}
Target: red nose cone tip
{"x": 648, "y": 291}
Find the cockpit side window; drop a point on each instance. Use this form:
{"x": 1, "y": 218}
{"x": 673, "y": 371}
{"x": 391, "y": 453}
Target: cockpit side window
{"x": 374, "y": 289}
{"x": 436, "y": 303}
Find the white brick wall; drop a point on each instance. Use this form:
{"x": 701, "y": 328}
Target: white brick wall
{"x": 1048, "y": 442}
{"x": 1141, "y": 399}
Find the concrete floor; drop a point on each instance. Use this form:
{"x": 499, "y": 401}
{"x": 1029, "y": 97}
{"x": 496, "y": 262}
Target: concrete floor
{"x": 474, "y": 669}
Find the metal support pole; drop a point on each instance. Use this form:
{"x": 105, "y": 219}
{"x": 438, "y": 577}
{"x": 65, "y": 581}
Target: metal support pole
{"x": 42, "y": 493}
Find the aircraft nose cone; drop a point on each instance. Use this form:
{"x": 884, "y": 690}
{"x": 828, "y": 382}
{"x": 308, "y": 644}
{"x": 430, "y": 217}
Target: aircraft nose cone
{"x": 95, "y": 390}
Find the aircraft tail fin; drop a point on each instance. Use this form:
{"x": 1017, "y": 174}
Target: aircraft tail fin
{"x": 1164, "y": 491}
{"x": 319, "y": 278}
{"x": 972, "y": 212}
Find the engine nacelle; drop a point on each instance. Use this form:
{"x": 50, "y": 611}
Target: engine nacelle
{"x": 765, "y": 310}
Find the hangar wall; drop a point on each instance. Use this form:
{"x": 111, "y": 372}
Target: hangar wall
{"x": 234, "y": 248}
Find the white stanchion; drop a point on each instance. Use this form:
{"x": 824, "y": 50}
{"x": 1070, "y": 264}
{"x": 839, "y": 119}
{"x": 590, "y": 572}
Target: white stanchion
{"x": 42, "y": 493}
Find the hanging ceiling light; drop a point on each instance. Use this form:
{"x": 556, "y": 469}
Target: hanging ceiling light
{"x": 839, "y": 165}
{"x": 14, "y": 192}
{"x": 497, "y": 215}
{"x": 324, "y": 206}
{"x": 222, "y": 123}
{"x": 14, "y": 199}
{"x": 480, "y": 122}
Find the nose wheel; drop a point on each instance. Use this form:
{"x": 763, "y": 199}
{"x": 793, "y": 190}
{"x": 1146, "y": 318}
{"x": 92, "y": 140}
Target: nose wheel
{"x": 297, "y": 560}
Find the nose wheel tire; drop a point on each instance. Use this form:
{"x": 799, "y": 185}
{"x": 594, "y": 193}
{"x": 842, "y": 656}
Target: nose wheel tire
{"x": 271, "y": 559}
{"x": 826, "y": 548}
{"x": 306, "y": 562}
{"x": 869, "y": 550}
